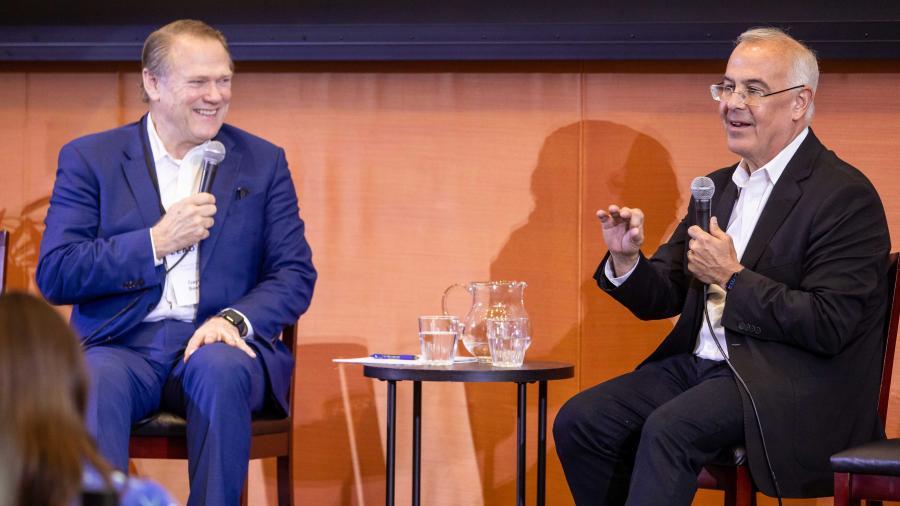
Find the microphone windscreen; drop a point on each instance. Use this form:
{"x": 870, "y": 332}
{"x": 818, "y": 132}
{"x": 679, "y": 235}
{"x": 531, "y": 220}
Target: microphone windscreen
{"x": 702, "y": 188}
{"x": 214, "y": 152}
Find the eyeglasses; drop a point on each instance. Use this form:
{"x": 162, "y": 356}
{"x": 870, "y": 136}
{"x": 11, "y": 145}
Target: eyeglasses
{"x": 751, "y": 96}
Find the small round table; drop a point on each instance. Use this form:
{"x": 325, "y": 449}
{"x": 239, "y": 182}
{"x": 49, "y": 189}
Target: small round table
{"x": 470, "y": 372}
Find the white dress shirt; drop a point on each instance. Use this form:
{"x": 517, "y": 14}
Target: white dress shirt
{"x": 178, "y": 179}
{"x": 754, "y": 190}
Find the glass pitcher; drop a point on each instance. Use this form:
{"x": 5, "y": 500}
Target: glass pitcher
{"x": 490, "y": 299}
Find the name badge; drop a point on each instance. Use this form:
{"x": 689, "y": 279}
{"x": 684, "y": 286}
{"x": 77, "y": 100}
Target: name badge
{"x": 185, "y": 277}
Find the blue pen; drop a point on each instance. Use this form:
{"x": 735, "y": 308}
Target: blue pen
{"x": 395, "y": 357}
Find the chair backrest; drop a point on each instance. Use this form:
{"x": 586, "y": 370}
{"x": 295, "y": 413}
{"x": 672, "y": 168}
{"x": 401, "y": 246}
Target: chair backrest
{"x": 890, "y": 341}
{"x": 4, "y": 242}
{"x": 289, "y": 338}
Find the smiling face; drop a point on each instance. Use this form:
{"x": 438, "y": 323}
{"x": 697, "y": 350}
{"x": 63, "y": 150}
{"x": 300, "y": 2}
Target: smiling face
{"x": 189, "y": 100}
{"x": 759, "y": 132}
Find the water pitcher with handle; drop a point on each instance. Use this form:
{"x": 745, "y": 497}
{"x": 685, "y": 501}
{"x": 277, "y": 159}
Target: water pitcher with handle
{"x": 496, "y": 300}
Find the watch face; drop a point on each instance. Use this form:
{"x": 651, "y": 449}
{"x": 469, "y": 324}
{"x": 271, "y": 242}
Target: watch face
{"x": 235, "y": 319}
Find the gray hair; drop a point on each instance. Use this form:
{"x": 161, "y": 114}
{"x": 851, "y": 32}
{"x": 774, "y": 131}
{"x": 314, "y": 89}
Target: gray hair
{"x": 805, "y": 68}
{"x": 155, "y": 55}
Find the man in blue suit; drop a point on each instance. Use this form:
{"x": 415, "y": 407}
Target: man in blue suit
{"x": 180, "y": 296}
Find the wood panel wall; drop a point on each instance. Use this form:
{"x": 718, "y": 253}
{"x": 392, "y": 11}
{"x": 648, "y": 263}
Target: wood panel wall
{"x": 414, "y": 176}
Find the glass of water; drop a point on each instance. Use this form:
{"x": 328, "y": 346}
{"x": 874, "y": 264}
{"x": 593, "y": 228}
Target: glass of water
{"x": 508, "y": 340}
{"x": 438, "y": 336}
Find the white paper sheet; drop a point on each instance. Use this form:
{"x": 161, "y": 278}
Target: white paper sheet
{"x": 394, "y": 361}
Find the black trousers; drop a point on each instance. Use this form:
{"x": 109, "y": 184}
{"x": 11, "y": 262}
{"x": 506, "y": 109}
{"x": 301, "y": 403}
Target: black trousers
{"x": 641, "y": 438}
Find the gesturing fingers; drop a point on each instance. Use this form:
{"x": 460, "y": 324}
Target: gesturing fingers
{"x": 615, "y": 215}
{"x": 610, "y": 217}
{"x": 633, "y": 217}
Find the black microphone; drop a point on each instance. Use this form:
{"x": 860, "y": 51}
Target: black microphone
{"x": 702, "y": 189}
{"x": 213, "y": 155}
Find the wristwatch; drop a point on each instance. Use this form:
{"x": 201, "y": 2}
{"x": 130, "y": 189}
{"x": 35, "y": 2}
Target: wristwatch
{"x": 235, "y": 318}
{"x": 731, "y": 281}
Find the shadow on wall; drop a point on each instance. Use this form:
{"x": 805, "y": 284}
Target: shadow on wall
{"x": 621, "y": 166}
{"x": 25, "y": 231}
{"x": 335, "y": 463}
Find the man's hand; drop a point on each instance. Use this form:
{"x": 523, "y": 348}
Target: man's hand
{"x": 214, "y": 330}
{"x": 623, "y": 232}
{"x": 711, "y": 257}
{"x": 187, "y": 222}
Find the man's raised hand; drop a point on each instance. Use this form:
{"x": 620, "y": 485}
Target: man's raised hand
{"x": 623, "y": 232}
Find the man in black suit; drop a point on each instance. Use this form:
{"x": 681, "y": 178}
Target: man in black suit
{"x": 795, "y": 261}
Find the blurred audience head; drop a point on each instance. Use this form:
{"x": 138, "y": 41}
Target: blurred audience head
{"x": 43, "y": 388}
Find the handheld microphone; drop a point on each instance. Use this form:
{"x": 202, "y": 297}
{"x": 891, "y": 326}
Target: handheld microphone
{"x": 213, "y": 155}
{"x": 702, "y": 189}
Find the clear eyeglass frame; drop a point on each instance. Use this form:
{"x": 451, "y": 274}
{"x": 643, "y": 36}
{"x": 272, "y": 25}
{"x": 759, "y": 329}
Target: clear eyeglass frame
{"x": 723, "y": 92}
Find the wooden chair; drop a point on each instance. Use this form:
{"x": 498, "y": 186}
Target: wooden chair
{"x": 872, "y": 471}
{"x": 730, "y": 472}
{"x": 4, "y": 244}
{"x": 162, "y": 436}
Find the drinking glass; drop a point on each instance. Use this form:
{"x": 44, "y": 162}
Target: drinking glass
{"x": 438, "y": 336}
{"x": 508, "y": 339}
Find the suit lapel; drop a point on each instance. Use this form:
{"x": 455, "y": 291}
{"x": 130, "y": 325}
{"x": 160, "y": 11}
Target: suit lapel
{"x": 138, "y": 175}
{"x": 223, "y": 190}
{"x": 723, "y": 207}
{"x": 784, "y": 197}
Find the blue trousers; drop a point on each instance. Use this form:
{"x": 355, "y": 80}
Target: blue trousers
{"x": 640, "y": 439}
{"x": 216, "y": 391}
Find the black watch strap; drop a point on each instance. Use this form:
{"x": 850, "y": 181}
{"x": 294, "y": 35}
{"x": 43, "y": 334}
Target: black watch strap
{"x": 731, "y": 281}
{"x": 235, "y": 318}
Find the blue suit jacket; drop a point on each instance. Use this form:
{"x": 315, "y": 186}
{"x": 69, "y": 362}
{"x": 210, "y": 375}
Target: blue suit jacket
{"x": 96, "y": 252}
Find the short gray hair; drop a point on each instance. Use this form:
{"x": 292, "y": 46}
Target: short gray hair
{"x": 805, "y": 68}
{"x": 155, "y": 55}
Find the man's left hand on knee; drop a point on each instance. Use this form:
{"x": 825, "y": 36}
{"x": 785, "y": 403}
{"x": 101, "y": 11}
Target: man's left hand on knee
{"x": 214, "y": 330}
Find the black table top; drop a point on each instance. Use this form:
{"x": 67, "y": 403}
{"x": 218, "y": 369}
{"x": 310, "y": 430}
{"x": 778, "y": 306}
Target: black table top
{"x": 472, "y": 372}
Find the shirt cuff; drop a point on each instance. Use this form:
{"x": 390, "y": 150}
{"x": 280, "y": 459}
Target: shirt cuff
{"x": 610, "y": 275}
{"x": 246, "y": 322}
{"x": 156, "y": 261}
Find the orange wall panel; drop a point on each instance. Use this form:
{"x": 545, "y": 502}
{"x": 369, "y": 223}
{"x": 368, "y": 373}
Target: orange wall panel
{"x": 415, "y": 176}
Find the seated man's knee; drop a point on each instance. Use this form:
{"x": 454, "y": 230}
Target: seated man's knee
{"x": 566, "y": 422}
{"x": 663, "y": 427}
{"x": 218, "y": 367}
{"x": 589, "y": 421}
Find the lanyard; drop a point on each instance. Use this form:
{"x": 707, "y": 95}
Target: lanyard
{"x": 151, "y": 166}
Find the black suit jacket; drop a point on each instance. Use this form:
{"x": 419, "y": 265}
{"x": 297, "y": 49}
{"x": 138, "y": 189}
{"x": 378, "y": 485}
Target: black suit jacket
{"x": 805, "y": 321}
